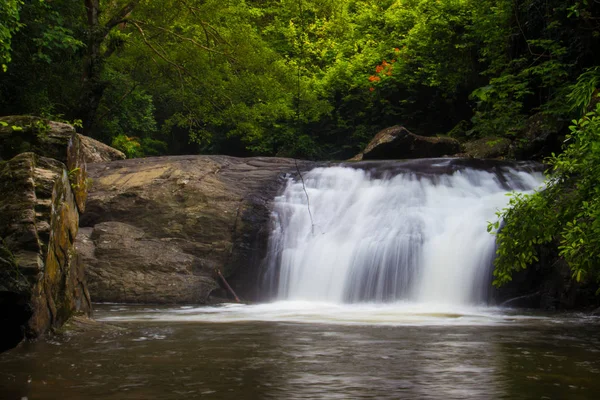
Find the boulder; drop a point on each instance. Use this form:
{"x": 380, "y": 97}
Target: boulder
{"x": 157, "y": 229}
{"x": 543, "y": 135}
{"x": 20, "y": 134}
{"x": 487, "y": 147}
{"x": 96, "y": 151}
{"x": 398, "y": 142}
{"x": 41, "y": 277}
{"x": 137, "y": 269}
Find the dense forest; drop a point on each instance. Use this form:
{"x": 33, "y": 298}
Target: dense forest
{"x": 317, "y": 79}
{"x": 314, "y": 79}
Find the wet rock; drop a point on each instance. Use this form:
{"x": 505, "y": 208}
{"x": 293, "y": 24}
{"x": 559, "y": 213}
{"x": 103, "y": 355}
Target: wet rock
{"x": 398, "y": 142}
{"x": 156, "y": 229}
{"x": 41, "y": 277}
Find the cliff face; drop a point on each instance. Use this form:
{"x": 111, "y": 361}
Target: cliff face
{"x": 43, "y": 190}
{"x": 156, "y": 230}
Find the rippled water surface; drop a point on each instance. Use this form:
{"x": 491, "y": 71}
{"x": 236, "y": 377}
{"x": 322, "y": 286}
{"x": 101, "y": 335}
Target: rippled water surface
{"x": 308, "y": 350}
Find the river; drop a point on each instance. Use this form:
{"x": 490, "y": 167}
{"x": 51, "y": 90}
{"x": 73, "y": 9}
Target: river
{"x": 295, "y": 350}
{"x": 378, "y": 278}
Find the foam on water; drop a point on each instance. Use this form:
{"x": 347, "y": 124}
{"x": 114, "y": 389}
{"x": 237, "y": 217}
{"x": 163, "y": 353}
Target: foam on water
{"x": 372, "y": 314}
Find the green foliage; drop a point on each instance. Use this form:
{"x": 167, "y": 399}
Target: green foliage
{"x": 9, "y": 25}
{"x": 56, "y": 38}
{"x": 45, "y": 69}
{"x": 566, "y": 212}
{"x": 583, "y": 91}
{"x": 312, "y": 79}
{"x": 128, "y": 145}
{"x": 533, "y": 50}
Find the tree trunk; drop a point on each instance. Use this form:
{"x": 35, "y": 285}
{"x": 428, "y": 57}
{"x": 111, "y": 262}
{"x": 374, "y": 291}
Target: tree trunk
{"x": 92, "y": 86}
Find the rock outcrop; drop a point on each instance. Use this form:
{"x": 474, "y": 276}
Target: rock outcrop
{"x": 20, "y": 134}
{"x": 41, "y": 277}
{"x": 397, "y": 142}
{"x": 157, "y": 229}
{"x": 95, "y": 151}
{"x": 543, "y": 135}
{"x": 43, "y": 182}
{"x": 487, "y": 147}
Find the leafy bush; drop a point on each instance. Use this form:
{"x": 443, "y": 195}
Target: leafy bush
{"x": 567, "y": 211}
{"x": 128, "y": 145}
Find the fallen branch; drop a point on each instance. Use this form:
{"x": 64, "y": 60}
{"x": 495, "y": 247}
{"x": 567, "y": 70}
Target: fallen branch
{"x": 237, "y": 299}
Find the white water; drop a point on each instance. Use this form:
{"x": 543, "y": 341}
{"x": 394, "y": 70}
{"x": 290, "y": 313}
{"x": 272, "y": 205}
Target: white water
{"x": 399, "y": 238}
{"x": 312, "y": 312}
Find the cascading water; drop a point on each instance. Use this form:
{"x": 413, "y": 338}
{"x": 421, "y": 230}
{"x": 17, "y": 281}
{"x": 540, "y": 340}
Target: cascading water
{"x": 387, "y": 232}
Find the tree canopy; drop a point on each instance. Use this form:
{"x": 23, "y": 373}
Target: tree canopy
{"x": 314, "y": 79}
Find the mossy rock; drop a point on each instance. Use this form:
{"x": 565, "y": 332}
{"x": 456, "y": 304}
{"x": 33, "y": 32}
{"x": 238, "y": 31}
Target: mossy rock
{"x": 459, "y": 131}
{"x": 487, "y": 147}
{"x": 20, "y": 134}
{"x": 543, "y": 135}
{"x": 55, "y": 140}
{"x": 41, "y": 278}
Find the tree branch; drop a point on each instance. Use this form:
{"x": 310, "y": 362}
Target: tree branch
{"x": 516, "y": 12}
{"x": 158, "y": 53}
{"x": 121, "y": 15}
{"x": 184, "y": 38}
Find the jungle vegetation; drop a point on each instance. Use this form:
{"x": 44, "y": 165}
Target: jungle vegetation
{"x": 317, "y": 79}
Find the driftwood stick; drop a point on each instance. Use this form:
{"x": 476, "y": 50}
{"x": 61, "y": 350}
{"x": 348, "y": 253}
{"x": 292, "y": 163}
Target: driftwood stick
{"x": 237, "y": 299}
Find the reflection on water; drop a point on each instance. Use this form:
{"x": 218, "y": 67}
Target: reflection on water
{"x": 256, "y": 352}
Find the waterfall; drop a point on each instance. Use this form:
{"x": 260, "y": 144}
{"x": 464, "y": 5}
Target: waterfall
{"x": 385, "y": 232}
